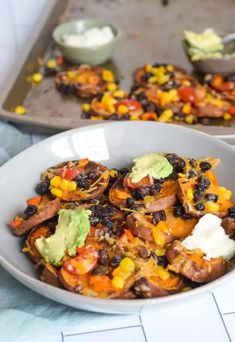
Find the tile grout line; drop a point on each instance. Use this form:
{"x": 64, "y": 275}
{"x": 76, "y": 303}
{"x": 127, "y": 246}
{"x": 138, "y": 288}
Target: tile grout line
{"x": 221, "y": 316}
{"x": 102, "y": 330}
{"x": 140, "y": 318}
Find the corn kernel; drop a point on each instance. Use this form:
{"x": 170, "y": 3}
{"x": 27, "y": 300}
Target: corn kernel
{"x": 227, "y": 116}
{"x": 56, "y": 192}
{"x": 112, "y": 86}
{"x": 187, "y": 108}
{"x": 108, "y": 100}
{"x": 122, "y": 109}
{"x": 225, "y": 193}
{"x": 148, "y": 68}
{"x": 186, "y": 83}
{"x": 127, "y": 265}
{"x": 107, "y": 75}
{"x": 37, "y": 78}
{"x": 51, "y": 63}
{"x": 72, "y": 186}
{"x": 96, "y": 118}
{"x": 153, "y": 79}
{"x": 158, "y": 237}
{"x": 118, "y": 93}
{"x": 118, "y": 282}
{"x": 189, "y": 194}
{"x": 64, "y": 184}
{"x": 20, "y": 110}
{"x": 169, "y": 68}
{"x": 71, "y": 74}
{"x": 168, "y": 113}
{"x": 160, "y": 251}
{"x": 162, "y": 273}
{"x": 211, "y": 207}
{"x": 190, "y": 119}
{"x": 134, "y": 117}
{"x": 86, "y": 107}
{"x": 173, "y": 95}
{"x": 55, "y": 181}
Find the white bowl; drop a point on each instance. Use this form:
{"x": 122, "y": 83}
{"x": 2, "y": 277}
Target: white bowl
{"x": 114, "y": 144}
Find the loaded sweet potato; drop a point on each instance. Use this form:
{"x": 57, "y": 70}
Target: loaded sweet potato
{"x": 129, "y": 233}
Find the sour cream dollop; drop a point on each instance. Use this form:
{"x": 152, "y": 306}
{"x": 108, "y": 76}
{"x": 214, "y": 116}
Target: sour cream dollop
{"x": 93, "y": 37}
{"x": 209, "y": 236}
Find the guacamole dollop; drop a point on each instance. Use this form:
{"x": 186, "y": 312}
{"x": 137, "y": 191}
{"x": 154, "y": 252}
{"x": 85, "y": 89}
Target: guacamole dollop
{"x": 207, "y": 44}
{"x": 151, "y": 164}
{"x": 71, "y": 231}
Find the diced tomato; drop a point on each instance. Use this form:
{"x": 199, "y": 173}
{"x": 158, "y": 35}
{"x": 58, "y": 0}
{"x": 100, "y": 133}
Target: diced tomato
{"x": 16, "y": 222}
{"x": 83, "y": 263}
{"x": 34, "y": 200}
{"x": 128, "y": 234}
{"x": 146, "y": 181}
{"x": 69, "y": 174}
{"x": 129, "y": 103}
{"x": 232, "y": 110}
{"x": 187, "y": 94}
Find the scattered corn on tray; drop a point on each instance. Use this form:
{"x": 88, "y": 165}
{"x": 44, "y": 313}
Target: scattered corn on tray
{"x": 152, "y": 32}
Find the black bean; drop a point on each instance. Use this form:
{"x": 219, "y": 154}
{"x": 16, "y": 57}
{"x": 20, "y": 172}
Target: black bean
{"x": 197, "y": 195}
{"x": 42, "y": 188}
{"x": 186, "y": 216}
{"x": 82, "y": 182}
{"x": 192, "y": 163}
{"x": 146, "y": 76}
{"x": 205, "y": 166}
{"x": 178, "y": 211}
{"x": 162, "y": 261}
{"x": 204, "y": 181}
{"x": 50, "y": 72}
{"x": 200, "y": 188}
{"x": 30, "y": 211}
{"x": 231, "y": 212}
{"x": 113, "y": 117}
{"x": 192, "y": 173}
{"x": 107, "y": 223}
{"x": 137, "y": 194}
{"x": 155, "y": 189}
{"x": 129, "y": 202}
{"x": 150, "y": 107}
{"x": 133, "y": 88}
{"x": 211, "y": 197}
{"x": 159, "y": 216}
{"x": 142, "y": 96}
{"x": 231, "y": 78}
{"x": 157, "y": 64}
{"x": 101, "y": 270}
{"x": 114, "y": 262}
{"x": 103, "y": 256}
{"x": 200, "y": 206}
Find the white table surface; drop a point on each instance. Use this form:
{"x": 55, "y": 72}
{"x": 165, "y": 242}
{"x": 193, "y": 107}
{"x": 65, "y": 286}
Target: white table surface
{"x": 210, "y": 317}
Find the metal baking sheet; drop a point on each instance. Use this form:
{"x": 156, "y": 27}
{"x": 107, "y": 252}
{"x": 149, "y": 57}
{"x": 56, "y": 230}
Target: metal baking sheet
{"x": 151, "y": 32}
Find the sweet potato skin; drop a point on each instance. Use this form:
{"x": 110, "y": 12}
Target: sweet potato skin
{"x": 181, "y": 261}
{"x": 33, "y": 253}
{"x": 228, "y": 223}
{"x": 50, "y": 275}
{"x": 45, "y": 213}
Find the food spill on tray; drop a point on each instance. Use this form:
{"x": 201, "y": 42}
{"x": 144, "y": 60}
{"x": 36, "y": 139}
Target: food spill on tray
{"x": 163, "y": 226}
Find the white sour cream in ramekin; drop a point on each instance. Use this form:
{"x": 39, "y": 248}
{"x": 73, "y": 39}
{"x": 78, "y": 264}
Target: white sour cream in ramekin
{"x": 93, "y": 37}
{"x": 209, "y": 236}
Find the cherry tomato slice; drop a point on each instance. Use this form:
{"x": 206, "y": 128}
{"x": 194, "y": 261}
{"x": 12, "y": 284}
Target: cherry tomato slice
{"x": 129, "y": 103}
{"x": 187, "y": 94}
{"x": 82, "y": 263}
{"x": 146, "y": 181}
{"x": 232, "y": 110}
{"x": 68, "y": 174}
